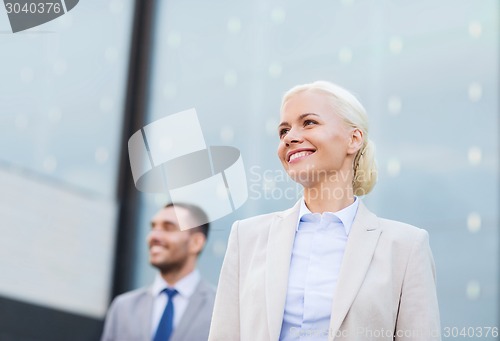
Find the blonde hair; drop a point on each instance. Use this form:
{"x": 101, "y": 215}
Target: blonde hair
{"x": 353, "y": 113}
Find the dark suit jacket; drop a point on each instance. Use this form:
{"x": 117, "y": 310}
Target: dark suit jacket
{"x": 129, "y": 316}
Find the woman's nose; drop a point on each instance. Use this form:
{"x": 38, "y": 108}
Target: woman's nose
{"x": 293, "y": 136}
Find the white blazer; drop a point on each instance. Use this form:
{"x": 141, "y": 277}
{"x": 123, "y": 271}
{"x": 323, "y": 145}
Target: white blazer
{"x": 386, "y": 288}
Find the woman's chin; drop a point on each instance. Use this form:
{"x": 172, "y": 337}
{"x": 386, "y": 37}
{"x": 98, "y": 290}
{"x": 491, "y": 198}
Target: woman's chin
{"x": 303, "y": 177}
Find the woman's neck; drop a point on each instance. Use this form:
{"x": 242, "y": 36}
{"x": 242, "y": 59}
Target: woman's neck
{"x": 328, "y": 197}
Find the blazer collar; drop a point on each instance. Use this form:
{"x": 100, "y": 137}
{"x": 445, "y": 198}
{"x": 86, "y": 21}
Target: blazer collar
{"x": 279, "y": 252}
{"x": 359, "y": 251}
{"x": 358, "y": 254}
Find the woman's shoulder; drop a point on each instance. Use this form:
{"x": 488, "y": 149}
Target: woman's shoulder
{"x": 261, "y": 222}
{"x": 401, "y": 231}
{"x": 388, "y": 226}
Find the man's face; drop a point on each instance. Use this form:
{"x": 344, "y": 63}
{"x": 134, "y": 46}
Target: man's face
{"x": 169, "y": 247}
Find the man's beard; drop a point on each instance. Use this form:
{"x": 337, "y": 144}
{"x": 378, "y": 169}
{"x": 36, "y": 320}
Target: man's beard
{"x": 170, "y": 267}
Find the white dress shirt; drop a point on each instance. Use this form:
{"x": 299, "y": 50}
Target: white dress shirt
{"x": 318, "y": 249}
{"x": 185, "y": 287}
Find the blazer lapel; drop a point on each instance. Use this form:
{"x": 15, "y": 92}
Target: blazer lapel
{"x": 279, "y": 251}
{"x": 359, "y": 251}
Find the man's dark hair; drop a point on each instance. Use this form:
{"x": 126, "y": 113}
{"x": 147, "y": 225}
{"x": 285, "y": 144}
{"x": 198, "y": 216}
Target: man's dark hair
{"x": 197, "y": 213}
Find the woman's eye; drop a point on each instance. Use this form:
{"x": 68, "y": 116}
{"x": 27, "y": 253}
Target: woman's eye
{"x": 309, "y": 122}
{"x": 283, "y": 132}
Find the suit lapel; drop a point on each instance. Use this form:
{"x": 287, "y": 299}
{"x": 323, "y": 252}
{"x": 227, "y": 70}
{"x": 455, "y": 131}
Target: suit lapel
{"x": 359, "y": 251}
{"x": 145, "y": 313}
{"x": 195, "y": 305}
{"x": 279, "y": 251}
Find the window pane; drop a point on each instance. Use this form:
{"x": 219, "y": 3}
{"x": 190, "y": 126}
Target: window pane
{"x": 427, "y": 74}
{"x": 61, "y": 110}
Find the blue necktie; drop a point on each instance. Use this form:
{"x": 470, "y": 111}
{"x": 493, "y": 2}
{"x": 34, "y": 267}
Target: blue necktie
{"x": 165, "y": 326}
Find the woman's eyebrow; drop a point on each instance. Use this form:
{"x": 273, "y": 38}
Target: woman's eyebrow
{"x": 307, "y": 114}
{"x": 301, "y": 117}
{"x": 284, "y": 124}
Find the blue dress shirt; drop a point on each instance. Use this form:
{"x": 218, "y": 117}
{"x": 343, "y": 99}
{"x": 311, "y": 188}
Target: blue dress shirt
{"x": 186, "y": 287}
{"x": 318, "y": 249}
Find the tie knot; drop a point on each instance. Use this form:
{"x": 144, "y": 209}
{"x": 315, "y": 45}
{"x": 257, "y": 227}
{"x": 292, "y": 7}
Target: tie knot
{"x": 170, "y": 292}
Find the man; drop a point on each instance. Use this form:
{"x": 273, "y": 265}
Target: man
{"x": 178, "y": 306}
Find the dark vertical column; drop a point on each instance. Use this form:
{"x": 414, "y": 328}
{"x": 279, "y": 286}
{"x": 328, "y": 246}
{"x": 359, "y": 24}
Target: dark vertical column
{"x": 135, "y": 113}
{"x": 498, "y": 181}
{"x": 20, "y": 321}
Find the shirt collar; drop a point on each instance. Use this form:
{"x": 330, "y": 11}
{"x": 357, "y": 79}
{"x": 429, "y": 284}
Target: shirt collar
{"x": 186, "y": 286}
{"x": 346, "y": 215}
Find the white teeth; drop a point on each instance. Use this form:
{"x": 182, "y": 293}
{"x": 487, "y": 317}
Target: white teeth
{"x": 299, "y": 154}
{"x": 155, "y": 248}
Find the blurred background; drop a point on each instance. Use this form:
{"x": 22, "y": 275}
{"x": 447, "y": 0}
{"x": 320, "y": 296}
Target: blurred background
{"x": 72, "y": 91}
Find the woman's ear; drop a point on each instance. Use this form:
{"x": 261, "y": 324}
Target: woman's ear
{"x": 355, "y": 141}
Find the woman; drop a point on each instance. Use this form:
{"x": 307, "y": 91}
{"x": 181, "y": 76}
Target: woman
{"x": 328, "y": 268}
